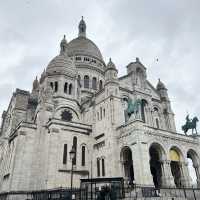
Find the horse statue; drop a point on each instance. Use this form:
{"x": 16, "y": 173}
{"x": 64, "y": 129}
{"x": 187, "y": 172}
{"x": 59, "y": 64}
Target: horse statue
{"x": 190, "y": 124}
{"x": 133, "y": 108}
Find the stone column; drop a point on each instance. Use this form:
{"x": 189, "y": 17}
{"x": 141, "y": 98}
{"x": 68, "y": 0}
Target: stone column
{"x": 141, "y": 165}
{"x": 185, "y": 176}
{"x": 167, "y": 178}
{"x": 197, "y": 169}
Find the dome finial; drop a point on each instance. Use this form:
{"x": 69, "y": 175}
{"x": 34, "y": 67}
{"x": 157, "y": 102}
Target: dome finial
{"x": 82, "y": 28}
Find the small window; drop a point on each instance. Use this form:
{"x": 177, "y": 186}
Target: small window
{"x": 83, "y": 156}
{"x": 70, "y": 88}
{"x": 65, "y": 88}
{"x": 98, "y": 167}
{"x": 157, "y": 123}
{"x": 104, "y": 112}
{"x": 86, "y": 59}
{"x": 79, "y": 81}
{"x": 103, "y": 167}
{"x": 86, "y": 81}
{"x": 51, "y": 84}
{"x": 56, "y": 86}
{"x": 100, "y": 112}
{"x": 65, "y": 154}
{"x": 78, "y": 58}
{"x": 94, "y": 83}
{"x": 75, "y": 148}
{"x": 100, "y": 85}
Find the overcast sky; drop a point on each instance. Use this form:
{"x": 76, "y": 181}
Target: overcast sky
{"x": 31, "y": 30}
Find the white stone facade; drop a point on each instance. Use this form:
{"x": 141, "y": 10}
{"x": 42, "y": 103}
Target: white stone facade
{"x": 80, "y": 101}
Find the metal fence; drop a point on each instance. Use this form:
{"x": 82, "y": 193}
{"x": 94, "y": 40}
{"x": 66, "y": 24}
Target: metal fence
{"x": 106, "y": 193}
{"x": 55, "y": 194}
{"x": 138, "y": 192}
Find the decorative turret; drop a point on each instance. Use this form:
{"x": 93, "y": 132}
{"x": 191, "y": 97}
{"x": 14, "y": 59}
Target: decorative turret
{"x": 42, "y": 76}
{"x": 63, "y": 46}
{"x": 162, "y": 90}
{"x": 111, "y": 71}
{"x": 35, "y": 84}
{"x": 137, "y": 71}
{"x": 111, "y": 79}
{"x": 82, "y": 28}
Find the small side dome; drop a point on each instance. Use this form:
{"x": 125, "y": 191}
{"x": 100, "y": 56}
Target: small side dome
{"x": 62, "y": 63}
{"x": 160, "y": 85}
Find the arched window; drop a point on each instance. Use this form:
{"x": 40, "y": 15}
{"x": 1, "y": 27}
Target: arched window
{"x": 65, "y": 154}
{"x": 86, "y": 81}
{"x": 51, "y": 84}
{"x": 83, "y": 156}
{"x": 156, "y": 117}
{"x": 75, "y": 148}
{"x": 143, "y": 105}
{"x": 56, "y": 86}
{"x": 70, "y": 88}
{"x": 98, "y": 167}
{"x": 103, "y": 167}
{"x": 100, "y": 85}
{"x": 94, "y": 83}
{"x": 101, "y": 113}
{"x": 65, "y": 87}
{"x": 157, "y": 123}
{"x": 79, "y": 80}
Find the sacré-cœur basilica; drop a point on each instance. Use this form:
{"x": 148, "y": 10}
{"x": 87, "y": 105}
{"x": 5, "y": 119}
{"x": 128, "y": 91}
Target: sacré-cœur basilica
{"x": 117, "y": 126}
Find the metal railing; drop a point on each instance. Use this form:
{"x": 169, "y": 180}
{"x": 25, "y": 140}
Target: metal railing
{"x": 134, "y": 192}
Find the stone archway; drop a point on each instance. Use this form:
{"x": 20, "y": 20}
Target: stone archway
{"x": 156, "y": 153}
{"x": 194, "y": 158}
{"x": 175, "y": 164}
{"x": 127, "y": 164}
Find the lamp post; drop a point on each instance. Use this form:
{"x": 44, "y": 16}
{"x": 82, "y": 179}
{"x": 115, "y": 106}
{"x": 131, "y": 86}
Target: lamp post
{"x": 72, "y": 154}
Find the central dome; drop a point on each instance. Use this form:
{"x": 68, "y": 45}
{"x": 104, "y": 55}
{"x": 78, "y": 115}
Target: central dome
{"x": 84, "y": 46}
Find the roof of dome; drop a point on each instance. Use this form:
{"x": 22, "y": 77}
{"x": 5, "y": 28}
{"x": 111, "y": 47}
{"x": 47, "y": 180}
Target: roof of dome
{"x": 61, "y": 63}
{"x": 83, "y": 45}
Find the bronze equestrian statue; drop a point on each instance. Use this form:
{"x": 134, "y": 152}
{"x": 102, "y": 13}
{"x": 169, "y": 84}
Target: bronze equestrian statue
{"x": 190, "y": 124}
{"x": 133, "y": 108}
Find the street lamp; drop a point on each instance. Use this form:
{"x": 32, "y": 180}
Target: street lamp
{"x": 72, "y": 154}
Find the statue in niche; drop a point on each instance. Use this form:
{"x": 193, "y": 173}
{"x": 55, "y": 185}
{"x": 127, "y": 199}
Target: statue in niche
{"x": 133, "y": 108}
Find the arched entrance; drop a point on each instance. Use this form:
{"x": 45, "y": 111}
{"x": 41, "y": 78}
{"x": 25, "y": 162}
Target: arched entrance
{"x": 193, "y": 165}
{"x": 156, "y": 153}
{"x": 175, "y": 166}
{"x": 127, "y": 163}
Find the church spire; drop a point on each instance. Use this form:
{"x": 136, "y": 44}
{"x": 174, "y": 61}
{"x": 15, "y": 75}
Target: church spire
{"x": 82, "y": 28}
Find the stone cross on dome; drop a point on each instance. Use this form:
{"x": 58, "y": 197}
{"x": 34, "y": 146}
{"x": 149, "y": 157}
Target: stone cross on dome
{"x": 82, "y": 28}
